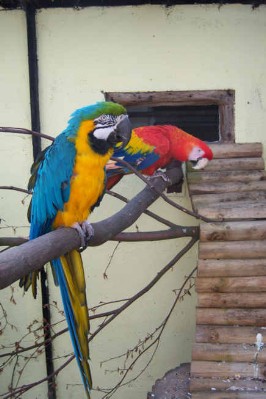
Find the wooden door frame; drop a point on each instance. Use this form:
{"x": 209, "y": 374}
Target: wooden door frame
{"x": 224, "y": 99}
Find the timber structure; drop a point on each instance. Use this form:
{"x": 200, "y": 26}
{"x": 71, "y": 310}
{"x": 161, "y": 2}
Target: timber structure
{"x": 228, "y": 356}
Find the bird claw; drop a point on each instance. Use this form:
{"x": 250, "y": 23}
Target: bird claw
{"x": 161, "y": 174}
{"x": 85, "y": 232}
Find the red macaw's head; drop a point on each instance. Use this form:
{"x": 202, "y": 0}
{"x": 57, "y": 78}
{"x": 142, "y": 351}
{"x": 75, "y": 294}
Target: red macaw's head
{"x": 190, "y": 148}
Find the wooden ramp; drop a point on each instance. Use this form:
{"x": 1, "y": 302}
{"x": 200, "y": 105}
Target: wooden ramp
{"x": 231, "y": 280}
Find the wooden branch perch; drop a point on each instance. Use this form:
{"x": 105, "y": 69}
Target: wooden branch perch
{"x": 18, "y": 261}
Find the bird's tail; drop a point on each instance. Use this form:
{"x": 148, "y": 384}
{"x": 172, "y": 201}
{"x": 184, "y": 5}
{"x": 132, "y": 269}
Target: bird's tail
{"x": 70, "y": 276}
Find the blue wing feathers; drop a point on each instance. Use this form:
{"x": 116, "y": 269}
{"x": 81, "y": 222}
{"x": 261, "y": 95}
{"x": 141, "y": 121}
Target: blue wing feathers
{"x": 52, "y": 186}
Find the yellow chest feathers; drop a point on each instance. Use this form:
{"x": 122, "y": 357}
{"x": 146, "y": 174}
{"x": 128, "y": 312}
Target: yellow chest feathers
{"x": 87, "y": 182}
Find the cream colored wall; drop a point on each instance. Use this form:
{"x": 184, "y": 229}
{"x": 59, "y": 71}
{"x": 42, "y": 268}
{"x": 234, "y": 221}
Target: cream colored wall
{"x": 16, "y": 159}
{"x": 83, "y": 53}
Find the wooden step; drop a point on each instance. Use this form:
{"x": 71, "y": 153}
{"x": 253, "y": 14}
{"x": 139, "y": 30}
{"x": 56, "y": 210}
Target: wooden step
{"x": 231, "y": 267}
{"x": 233, "y": 231}
{"x": 227, "y": 197}
{"x": 228, "y": 353}
{"x": 231, "y": 284}
{"x": 226, "y": 176}
{"x": 231, "y": 317}
{"x": 234, "y": 384}
{"x": 232, "y": 249}
{"x": 228, "y": 334}
{"x": 231, "y": 300}
{"x": 228, "y": 187}
{"x": 235, "y": 164}
{"x": 237, "y": 211}
{"x": 229, "y": 395}
{"x": 236, "y": 150}
{"x": 227, "y": 370}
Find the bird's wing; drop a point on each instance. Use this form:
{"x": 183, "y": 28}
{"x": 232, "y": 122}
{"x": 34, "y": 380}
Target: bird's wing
{"x": 50, "y": 182}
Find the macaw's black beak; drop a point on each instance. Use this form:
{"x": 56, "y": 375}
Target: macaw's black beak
{"x": 122, "y": 131}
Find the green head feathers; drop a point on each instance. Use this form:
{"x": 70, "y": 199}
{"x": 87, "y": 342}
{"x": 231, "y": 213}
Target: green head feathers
{"x": 91, "y": 112}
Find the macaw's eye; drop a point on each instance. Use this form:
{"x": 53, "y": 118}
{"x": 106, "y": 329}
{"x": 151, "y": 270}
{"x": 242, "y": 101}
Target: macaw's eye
{"x": 105, "y": 120}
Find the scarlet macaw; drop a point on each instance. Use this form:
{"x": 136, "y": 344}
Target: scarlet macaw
{"x": 68, "y": 181}
{"x": 154, "y": 147}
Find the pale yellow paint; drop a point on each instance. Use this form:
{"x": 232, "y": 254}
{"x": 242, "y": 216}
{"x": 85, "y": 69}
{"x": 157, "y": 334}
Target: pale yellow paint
{"x": 148, "y": 48}
{"x": 16, "y": 157}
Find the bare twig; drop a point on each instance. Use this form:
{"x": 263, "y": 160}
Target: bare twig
{"x": 25, "y": 131}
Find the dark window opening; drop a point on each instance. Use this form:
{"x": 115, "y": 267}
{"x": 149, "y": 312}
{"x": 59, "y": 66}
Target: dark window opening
{"x": 200, "y": 121}
{"x": 207, "y": 114}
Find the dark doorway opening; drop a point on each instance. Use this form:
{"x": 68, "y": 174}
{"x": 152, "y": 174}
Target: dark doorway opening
{"x": 200, "y": 121}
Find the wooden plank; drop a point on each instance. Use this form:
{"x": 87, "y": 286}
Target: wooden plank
{"x": 227, "y": 353}
{"x": 228, "y": 395}
{"x": 186, "y": 97}
{"x": 201, "y": 199}
{"x": 225, "y": 176}
{"x": 228, "y": 187}
{"x": 231, "y": 317}
{"x": 231, "y": 267}
{"x": 254, "y": 210}
{"x": 227, "y": 370}
{"x": 228, "y": 334}
{"x": 236, "y": 150}
{"x": 231, "y": 300}
{"x": 233, "y": 231}
{"x": 235, "y": 164}
{"x": 208, "y": 384}
{"x": 232, "y": 249}
{"x": 231, "y": 284}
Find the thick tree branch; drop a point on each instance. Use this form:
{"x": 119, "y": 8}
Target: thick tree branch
{"x": 18, "y": 261}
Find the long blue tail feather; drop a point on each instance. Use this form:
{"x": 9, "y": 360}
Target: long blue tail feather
{"x": 57, "y": 265}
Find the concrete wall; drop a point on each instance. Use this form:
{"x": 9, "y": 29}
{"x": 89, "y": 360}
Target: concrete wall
{"x": 83, "y": 53}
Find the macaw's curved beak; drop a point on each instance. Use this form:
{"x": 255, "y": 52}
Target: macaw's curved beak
{"x": 122, "y": 132}
{"x": 200, "y": 163}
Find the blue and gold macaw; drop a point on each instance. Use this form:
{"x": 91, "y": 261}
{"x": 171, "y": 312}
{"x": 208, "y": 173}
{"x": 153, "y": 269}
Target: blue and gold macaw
{"x": 68, "y": 181}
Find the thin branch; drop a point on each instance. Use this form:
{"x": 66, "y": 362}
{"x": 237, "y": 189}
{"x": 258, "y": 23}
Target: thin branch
{"x": 25, "y": 131}
{"x": 24, "y": 388}
{"x": 155, "y": 342}
{"x": 149, "y": 182}
{"x": 146, "y": 212}
{"x": 22, "y": 190}
{"x": 147, "y": 287}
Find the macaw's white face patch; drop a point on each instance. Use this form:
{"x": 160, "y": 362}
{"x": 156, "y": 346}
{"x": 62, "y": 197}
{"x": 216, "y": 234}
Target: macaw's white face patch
{"x": 196, "y": 153}
{"x": 104, "y": 126}
{"x": 102, "y": 133}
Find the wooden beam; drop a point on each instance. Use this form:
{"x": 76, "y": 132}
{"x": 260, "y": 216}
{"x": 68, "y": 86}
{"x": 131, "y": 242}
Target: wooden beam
{"x": 231, "y": 267}
{"x": 227, "y": 353}
{"x": 236, "y": 150}
{"x": 234, "y": 211}
{"x": 248, "y": 196}
{"x": 228, "y": 395}
{"x": 233, "y": 384}
{"x": 231, "y": 284}
{"x": 225, "y": 176}
{"x": 235, "y": 164}
{"x": 227, "y": 370}
{"x": 232, "y": 249}
{"x": 231, "y": 300}
{"x": 233, "y": 231}
{"x": 228, "y": 334}
{"x": 229, "y": 187}
{"x": 231, "y": 317}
